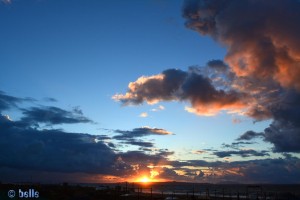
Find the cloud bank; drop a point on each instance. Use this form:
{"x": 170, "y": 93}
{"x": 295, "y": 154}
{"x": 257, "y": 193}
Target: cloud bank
{"x": 259, "y": 77}
{"x": 178, "y": 85}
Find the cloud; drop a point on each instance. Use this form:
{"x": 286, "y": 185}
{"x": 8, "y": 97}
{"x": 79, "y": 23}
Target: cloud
{"x": 46, "y": 154}
{"x": 264, "y": 45}
{"x": 27, "y": 150}
{"x": 139, "y": 157}
{"x": 175, "y": 84}
{"x": 53, "y": 150}
{"x": 217, "y": 65}
{"x": 140, "y": 132}
{"x": 144, "y": 114}
{"x": 139, "y": 143}
{"x": 50, "y": 99}
{"x": 53, "y": 115}
{"x": 159, "y": 108}
{"x": 278, "y": 170}
{"x": 8, "y": 102}
{"x": 153, "y": 89}
{"x": 236, "y": 145}
{"x": 259, "y": 77}
{"x": 198, "y": 152}
{"x": 242, "y": 153}
{"x": 284, "y": 131}
{"x": 129, "y": 137}
{"x": 249, "y": 135}
{"x": 284, "y": 137}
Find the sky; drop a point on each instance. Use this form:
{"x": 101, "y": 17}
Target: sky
{"x": 109, "y": 91}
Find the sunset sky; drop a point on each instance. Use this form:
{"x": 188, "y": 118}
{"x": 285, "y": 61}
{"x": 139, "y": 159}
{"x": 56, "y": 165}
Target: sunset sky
{"x": 110, "y": 91}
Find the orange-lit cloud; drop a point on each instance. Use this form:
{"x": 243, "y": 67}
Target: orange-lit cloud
{"x": 190, "y": 86}
{"x": 264, "y": 45}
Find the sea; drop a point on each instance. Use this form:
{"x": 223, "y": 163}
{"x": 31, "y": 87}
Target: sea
{"x": 234, "y": 191}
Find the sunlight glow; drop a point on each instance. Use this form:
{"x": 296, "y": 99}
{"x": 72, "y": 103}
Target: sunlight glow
{"x": 145, "y": 180}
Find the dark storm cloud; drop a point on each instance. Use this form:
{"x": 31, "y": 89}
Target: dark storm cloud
{"x": 103, "y": 137}
{"x": 7, "y": 101}
{"x": 129, "y": 137}
{"x": 249, "y": 135}
{"x": 242, "y": 153}
{"x": 284, "y": 136}
{"x": 171, "y": 174}
{"x": 139, "y": 132}
{"x": 53, "y": 115}
{"x": 139, "y": 143}
{"x": 218, "y": 65}
{"x": 236, "y": 145}
{"x": 252, "y": 171}
{"x": 287, "y": 108}
{"x": 175, "y": 84}
{"x": 270, "y": 170}
{"x": 284, "y": 131}
{"x": 28, "y": 150}
{"x": 140, "y": 157}
{"x": 23, "y": 147}
{"x": 40, "y": 152}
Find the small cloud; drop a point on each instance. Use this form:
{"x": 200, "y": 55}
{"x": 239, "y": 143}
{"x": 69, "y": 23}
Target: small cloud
{"x": 53, "y": 115}
{"x": 159, "y": 108}
{"x": 140, "y": 132}
{"x": 249, "y": 135}
{"x": 50, "y": 99}
{"x": 141, "y": 143}
{"x": 144, "y": 114}
{"x": 242, "y": 153}
{"x": 198, "y": 152}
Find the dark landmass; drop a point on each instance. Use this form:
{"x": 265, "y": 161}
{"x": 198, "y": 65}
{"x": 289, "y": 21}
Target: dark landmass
{"x": 149, "y": 191}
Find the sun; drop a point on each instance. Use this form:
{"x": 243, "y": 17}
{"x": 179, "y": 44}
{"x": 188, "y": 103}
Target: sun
{"x": 145, "y": 179}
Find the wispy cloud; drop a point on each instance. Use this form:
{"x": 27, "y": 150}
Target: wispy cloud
{"x": 159, "y": 108}
{"x": 144, "y": 114}
{"x": 140, "y": 132}
{"x": 53, "y": 115}
{"x": 7, "y": 102}
{"x": 249, "y": 135}
{"x": 242, "y": 153}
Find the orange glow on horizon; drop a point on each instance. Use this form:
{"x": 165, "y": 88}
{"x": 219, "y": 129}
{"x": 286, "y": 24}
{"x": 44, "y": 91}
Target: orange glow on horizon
{"x": 145, "y": 180}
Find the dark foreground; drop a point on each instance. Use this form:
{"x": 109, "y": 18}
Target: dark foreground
{"x": 155, "y": 191}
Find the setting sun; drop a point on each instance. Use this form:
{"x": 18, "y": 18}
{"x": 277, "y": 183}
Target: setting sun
{"x": 144, "y": 179}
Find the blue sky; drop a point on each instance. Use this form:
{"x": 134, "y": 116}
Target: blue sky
{"x": 83, "y": 53}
